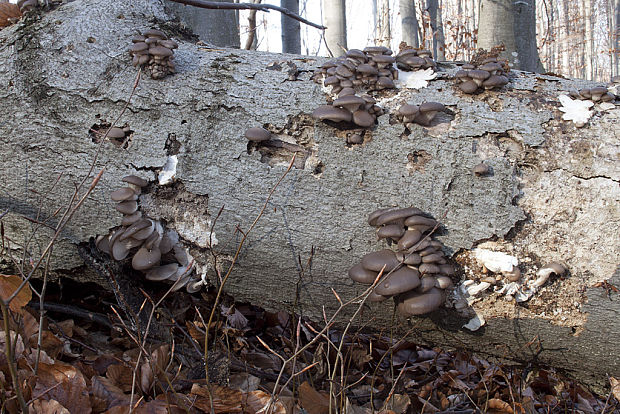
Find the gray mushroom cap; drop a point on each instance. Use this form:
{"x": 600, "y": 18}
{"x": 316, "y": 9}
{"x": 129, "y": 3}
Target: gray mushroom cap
{"x": 257, "y": 134}
{"x": 362, "y": 118}
{"x": 399, "y": 281}
{"x": 391, "y": 216}
{"x": 162, "y": 272}
{"x": 495, "y": 81}
{"x": 408, "y": 258}
{"x": 360, "y": 275}
{"x": 377, "y": 260}
{"x": 410, "y": 238}
{"x": 116, "y": 133}
{"x": 350, "y": 102}
{"x": 417, "y": 219}
{"x": 328, "y": 112}
{"x": 123, "y": 194}
{"x": 414, "y": 303}
{"x": 127, "y": 207}
{"x": 135, "y": 180}
{"x": 392, "y": 231}
{"x": 426, "y": 284}
{"x": 468, "y": 86}
{"x": 145, "y": 259}
{"x": 481, "y": 169}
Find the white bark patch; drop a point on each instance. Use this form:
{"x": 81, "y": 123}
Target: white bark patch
{"x": 169, "y": 171}
{"x": 576, "y": 110}
{"x": 475, "y": 323}
{"x": 197, "y": 229}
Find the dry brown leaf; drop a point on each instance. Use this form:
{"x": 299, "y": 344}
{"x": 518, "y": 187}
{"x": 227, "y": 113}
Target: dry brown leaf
{"x": 64, "y": 327}
{"x": 110, "y": 393}
{"x": 30, "y": 327}
{"x": 399, "y": 403}
{"x": 257, "y": 400}
{"x": 313, "y": 401}
{"x": 615, "y": 387}
{"x": 121, "y": 376}
{"x": 154, "y": 367}
{"x": 499, "y": 406}
{"x": 9, "y": 14}
{"x": 10, "y": 283}
{"x": 65, "y": 384}
{"x": 225, "y": 400}
{"x": 197, "y": 334}
{"x": 45, "y": 406}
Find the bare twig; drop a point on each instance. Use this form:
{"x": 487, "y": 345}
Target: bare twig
{"x": 203, "y": 4}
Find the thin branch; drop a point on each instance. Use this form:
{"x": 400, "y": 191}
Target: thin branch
{"x": 203, "y": 4}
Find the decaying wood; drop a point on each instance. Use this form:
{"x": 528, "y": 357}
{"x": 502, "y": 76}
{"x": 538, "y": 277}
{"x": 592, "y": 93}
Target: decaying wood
{"x": 553, "y": 194}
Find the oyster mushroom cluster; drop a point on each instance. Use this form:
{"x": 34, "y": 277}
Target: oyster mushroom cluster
{"x": 154, "y": 51}
{"x": 154, "y": 250}
{"x": 417, "y": 272}
{"x": 410, "y": 60}
{"x": 369, "y": 69}
{"x": 422, "y": 114}
{"x": 597, "y": 94}
{"x": 348, "y": 107}
{"x": 489, "y": 74}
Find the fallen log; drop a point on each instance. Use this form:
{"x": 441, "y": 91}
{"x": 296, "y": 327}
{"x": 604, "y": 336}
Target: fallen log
{"x": 552, "y": 194}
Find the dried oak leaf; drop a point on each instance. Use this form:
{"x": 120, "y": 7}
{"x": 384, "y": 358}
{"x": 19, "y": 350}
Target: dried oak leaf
{"x": 9, "y": 14}
{"x": 498, "y": 406}
{"x": 615, "y": 387}
{"x": 46, "y": 407}
{"x": 65, "y": 384}
{"x": 9, "y": 284}
{"x": 121, "y": 376}
{"x": 110, "y": 393}
{"x": 313, "y": 401}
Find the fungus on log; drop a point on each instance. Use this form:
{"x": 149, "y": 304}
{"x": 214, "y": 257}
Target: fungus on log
{"x": 553, "y": 194}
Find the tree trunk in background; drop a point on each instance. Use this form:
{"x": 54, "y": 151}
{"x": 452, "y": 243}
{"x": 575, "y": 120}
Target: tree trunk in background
{"x": 382, "y": 23}
{"x": 496, "y": 26}
{"x": 588, "y": 44}
{"x": 291, "y": 39}
{"x": 251, "y": 42}
{"x": 525, "y": 36}
{"x": 215, "y": 27}
{"x": 409, "y": 23}
{"x": 616, "y": 37}
{"x": 563, "y": 49}
{"x": 439, "y": 43}
{"x": 336, "y": 23}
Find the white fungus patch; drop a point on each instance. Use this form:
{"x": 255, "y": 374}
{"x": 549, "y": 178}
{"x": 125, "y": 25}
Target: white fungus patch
{"x": 475, "y": 323}
{"x": 415, "y": 80}
{"x": 169, "y": 171}
{"x": 496, "y": 262}
{"x": 576, "y": 110}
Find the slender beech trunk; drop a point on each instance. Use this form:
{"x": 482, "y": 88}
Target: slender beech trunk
{"x": 216, "y": 27}
{"x": 616, "y": 37}
{"x": 525, "y": 35}
{"x": 384, "y": 33}
{"x": 439, "y": 43}
{"x": 496, "y": 26}
{"x": 291, "y": 39}
{"x": 336, "y": 23}
{"x": 409, "y": 23}
{"x": 588, "y": 42}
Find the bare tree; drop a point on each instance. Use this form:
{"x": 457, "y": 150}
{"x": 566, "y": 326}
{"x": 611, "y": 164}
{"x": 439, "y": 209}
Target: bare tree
{"x": 525, "y": 35}
{"x": 217, "y": 27}
{"x": 439, "y": 42}
{"x": 336, "y": 22}
{"x": 409, "y": 23}
{"x": 496, "y": 26}
{"x": 382, "y": 23}
{"x": 291, "y": 40}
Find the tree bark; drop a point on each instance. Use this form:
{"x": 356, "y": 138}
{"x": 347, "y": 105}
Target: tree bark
{"x": 336, "y": 23}
{"x": 215, "y": 27}
{"x": 291, "y": 37}
{"x": 552, "y": 195}
{"x": 409, "y": 23}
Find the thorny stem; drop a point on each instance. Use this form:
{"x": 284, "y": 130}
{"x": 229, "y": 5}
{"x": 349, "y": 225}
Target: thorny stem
{"x": 230, "y": 269}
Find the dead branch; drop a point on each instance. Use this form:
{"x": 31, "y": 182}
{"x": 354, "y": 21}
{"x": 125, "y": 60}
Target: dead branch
{"x": 203, "y": 4}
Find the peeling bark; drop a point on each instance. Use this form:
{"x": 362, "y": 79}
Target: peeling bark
{"x": 553, "y": 194}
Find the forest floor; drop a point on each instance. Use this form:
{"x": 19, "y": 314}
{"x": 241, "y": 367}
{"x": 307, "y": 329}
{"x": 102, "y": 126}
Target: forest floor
{"x": 87, "y": 357}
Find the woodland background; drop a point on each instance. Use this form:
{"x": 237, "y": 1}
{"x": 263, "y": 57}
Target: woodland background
{"x": 577, "y": 39}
